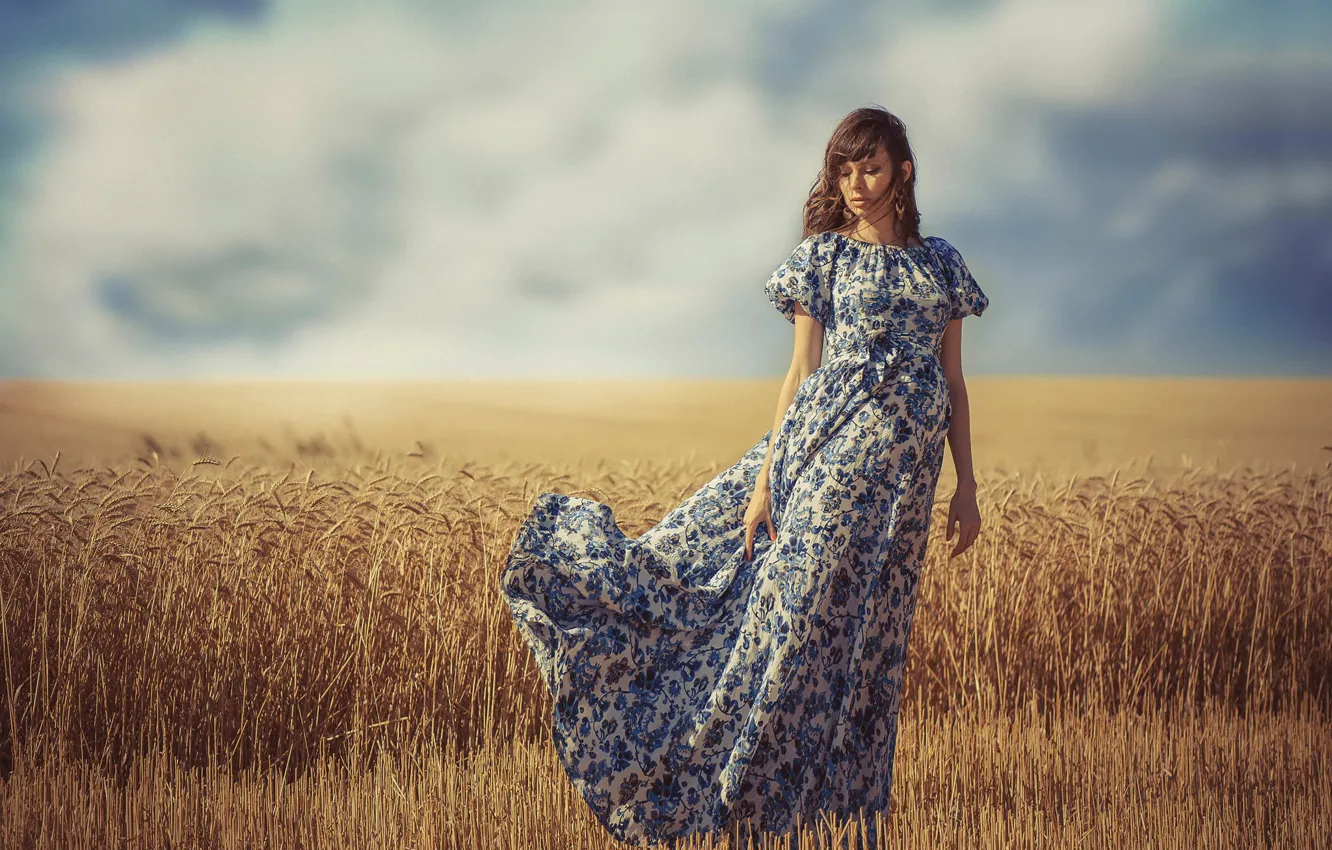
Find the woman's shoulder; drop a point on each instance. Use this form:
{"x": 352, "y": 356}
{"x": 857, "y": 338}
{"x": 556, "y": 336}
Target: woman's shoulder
{"x": 944, "y": 249}
{"x": 818, "y": 239}
{"x": 816, "y": 248}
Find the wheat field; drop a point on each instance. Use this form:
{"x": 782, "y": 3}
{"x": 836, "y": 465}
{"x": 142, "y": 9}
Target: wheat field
{"x": 308, "y": 649}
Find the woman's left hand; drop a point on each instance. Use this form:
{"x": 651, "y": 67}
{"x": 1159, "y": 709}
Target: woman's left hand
{"x": 962, "y": 511}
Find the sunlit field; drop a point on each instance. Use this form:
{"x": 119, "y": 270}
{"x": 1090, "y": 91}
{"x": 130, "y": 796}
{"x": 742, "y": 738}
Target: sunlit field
{"x": 300, "y": 643}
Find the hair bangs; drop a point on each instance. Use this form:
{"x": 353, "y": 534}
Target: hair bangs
{"x": 858, "y": 142}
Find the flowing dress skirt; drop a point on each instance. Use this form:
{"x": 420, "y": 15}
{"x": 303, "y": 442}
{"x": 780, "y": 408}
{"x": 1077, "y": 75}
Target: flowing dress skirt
{"x": 695, "y": 690}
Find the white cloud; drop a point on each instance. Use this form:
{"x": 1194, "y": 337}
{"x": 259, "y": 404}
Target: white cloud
{"x": 1227, "y": 197}
{"x": 412, "y": 174}
{"x": 976, "y": 91}
{"x": 393, "y": 179}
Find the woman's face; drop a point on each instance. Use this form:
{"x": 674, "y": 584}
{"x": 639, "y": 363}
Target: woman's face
{"x": 864, "y": 184}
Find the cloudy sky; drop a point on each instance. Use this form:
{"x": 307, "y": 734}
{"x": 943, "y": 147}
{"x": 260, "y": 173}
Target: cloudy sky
{"x": 382, "y": 189}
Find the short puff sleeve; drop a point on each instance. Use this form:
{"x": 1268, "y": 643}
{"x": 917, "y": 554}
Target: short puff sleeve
{"x": 805, "y": 278}
{"x": 965, "y": 297}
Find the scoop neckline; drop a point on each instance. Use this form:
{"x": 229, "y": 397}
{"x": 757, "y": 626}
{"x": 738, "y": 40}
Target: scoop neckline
{"x": 923, "y": 243}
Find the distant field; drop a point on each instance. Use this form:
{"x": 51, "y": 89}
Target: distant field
{"x": 1054, "y": 425}
{"x": 283, "y": 630}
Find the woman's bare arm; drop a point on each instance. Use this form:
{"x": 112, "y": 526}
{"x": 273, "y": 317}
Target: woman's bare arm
{"x": 806, "y": 356}
{"x": 959, "y": 426}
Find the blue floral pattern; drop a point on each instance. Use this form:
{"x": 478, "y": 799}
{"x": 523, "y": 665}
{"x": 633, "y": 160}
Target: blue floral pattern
{"x": 694, "y": 690}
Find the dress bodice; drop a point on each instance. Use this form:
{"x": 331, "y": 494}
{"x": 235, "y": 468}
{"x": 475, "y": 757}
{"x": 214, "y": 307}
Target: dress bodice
{"x": 884, "y": 305}
{"x": 886, "y": 295}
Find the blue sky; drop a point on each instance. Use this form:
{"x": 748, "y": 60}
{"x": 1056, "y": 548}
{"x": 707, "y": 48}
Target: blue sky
{"x": 324, "y": 190}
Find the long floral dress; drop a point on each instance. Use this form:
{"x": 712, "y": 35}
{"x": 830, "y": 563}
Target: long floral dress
{"x": 695, "y": 690}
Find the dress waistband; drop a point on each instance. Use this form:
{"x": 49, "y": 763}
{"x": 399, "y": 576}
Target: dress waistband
{"x": 886, "y": 358}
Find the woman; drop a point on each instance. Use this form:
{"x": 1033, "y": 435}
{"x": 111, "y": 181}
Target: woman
{"x": 707, "y": 677}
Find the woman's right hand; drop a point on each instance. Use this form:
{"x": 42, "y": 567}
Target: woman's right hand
{"x": 758, "y": 511}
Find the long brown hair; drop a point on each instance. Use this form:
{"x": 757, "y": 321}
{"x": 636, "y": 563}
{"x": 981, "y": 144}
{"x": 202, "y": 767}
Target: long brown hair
{"x": 856, "y": 137}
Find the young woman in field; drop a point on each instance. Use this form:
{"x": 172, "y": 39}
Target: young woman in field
{"x": 708, "y": 677}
